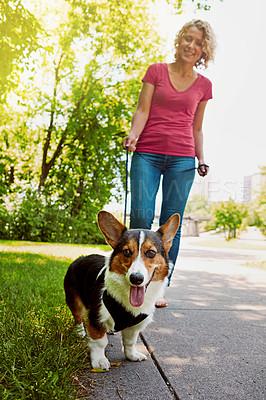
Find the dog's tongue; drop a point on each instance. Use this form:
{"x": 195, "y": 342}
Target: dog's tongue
{"x": 137, "y": 294}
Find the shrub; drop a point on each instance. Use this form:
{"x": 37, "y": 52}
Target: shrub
{"x": 4, "y": 222}
{"x": 228, "y": 216}
{"x": 35, "y": 217}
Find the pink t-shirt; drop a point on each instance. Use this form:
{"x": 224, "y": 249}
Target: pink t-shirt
{"x": 169, "y": 129}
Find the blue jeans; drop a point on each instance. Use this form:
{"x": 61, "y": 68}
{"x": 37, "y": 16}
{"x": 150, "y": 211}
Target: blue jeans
{"x": 145, "y": 176}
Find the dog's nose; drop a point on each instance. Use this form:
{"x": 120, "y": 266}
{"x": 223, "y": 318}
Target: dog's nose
{"x": 136, "y": 278}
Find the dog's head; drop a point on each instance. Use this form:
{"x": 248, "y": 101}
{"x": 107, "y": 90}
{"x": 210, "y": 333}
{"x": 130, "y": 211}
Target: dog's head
{"x": 138, "y": 254}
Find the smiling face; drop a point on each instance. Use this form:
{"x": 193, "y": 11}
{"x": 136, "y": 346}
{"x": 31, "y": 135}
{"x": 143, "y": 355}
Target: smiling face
{"x": 190, "y": 46}
{"x": 140, "y": 257}
{"x": 138, "y": 254}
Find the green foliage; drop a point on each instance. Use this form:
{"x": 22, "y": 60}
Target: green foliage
{"x": 197, "y": 206}
{"x": 39, "y": 218}
{"x": 60, "y": 128}
{"x": 199, "y": 5}
{"x": 79, "y": 71}
{"x": 228, "y": 216}
{"x": 97, "y": 104}
{"x": 257, "y": 213}
{"x": 202, "y": 4}
{"x": 38, "y": 352}
{"x": 257, "y": 264}
{"x": 5, "y": 219}
{"x": 18, "y": 30}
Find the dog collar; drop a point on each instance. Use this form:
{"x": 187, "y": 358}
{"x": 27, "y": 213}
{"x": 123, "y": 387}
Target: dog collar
{"x": 123, "y": 318}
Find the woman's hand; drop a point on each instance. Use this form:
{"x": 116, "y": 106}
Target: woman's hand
{"x": 203, "y": 169}
{"x": 130, "y": 142}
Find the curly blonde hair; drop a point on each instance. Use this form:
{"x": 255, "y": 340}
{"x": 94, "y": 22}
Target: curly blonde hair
{"x": 208, "y": 44}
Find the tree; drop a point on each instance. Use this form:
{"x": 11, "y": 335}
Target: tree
{"x": 199, "y": 4}
{"x": 61, "y": 126}
{"x": 82, "y": 155}
{"x": 197, "y": 206}
{"x": 18, "y": 31}
{"x": 18, "y": 39}
{"x": 258, "y": 206}
{"x": 67, "y": 91}
{"x": 228, "y": 216}
{"x": 85, "y": 88}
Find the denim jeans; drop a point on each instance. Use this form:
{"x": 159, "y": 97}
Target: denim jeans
{"x": 145, "y": 175}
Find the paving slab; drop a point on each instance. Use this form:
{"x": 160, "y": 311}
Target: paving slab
{"x": 130, "y": 380}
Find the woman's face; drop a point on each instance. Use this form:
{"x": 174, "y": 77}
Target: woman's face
{"x": 190, "y": 47}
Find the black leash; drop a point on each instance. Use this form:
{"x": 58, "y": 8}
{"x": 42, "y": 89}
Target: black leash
{"x": 126, "y": 189}
{"x": 204, "y": 171}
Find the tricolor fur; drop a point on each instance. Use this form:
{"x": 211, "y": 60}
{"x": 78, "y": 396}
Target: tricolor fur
{"x": 126, "y": 285}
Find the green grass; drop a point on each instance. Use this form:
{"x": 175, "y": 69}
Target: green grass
{"x": 257, "y": 264}
{"x": 230, "y": 244}
{"x": 70, "y": 251}
{"x": 39, "y": 351}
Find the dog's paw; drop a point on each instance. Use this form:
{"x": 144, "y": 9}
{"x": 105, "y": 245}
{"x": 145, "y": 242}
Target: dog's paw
{"x": 134, "y": 355}
{"x": 101, "y": 363}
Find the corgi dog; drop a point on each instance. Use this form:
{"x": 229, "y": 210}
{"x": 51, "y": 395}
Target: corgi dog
{"x": 118, "y": 293}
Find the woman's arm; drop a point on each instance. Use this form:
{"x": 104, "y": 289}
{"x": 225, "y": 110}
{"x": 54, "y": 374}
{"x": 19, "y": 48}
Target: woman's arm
{"x": 198, "y": 135}
{"x": 140, "y": 117}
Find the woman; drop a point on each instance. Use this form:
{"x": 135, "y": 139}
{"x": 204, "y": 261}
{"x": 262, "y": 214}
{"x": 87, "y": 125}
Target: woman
{"x": 166, "y": 131}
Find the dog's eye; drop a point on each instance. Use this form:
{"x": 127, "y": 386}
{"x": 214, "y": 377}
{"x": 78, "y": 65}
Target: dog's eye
{"x": 150, "y": 253}
{"x": 127, "y": 253}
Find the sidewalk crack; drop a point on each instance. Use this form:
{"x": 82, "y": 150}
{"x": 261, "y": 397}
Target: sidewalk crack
{"x": 159, "y": 368}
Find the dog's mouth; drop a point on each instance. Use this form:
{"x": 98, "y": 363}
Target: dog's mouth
{"x": 137, "y": 293}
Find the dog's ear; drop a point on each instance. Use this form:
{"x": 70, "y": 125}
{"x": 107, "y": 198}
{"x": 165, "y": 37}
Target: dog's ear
{"x": 168, "y": 231}
{"x": 111, "y": 228}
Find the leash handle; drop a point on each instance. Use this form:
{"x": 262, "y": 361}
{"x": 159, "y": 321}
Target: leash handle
{"x": 126, "y": 190}
{"x": 203, "y": 169}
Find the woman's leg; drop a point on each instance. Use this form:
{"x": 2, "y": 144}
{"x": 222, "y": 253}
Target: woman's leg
{"x": 176, "y": 188}
{"x": 145, "y": 177}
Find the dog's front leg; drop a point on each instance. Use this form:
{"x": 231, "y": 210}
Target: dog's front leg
{"x": 97, "y": 353}
{"x": 129, "y": 337}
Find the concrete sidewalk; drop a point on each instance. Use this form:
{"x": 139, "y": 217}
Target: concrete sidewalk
{"x": 208, "y": 344}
